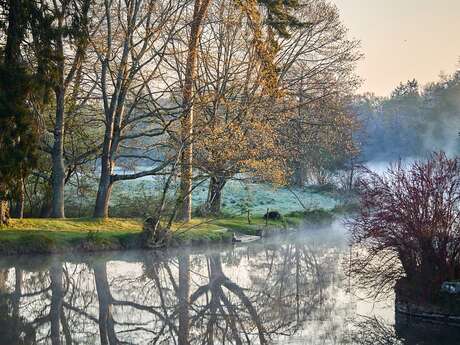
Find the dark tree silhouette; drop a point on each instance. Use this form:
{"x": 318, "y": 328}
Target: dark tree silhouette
{"x": 17, "y": 135}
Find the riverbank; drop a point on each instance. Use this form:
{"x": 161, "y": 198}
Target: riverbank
{"x": 437, "y": 306}
{"x": 46, "y": 236}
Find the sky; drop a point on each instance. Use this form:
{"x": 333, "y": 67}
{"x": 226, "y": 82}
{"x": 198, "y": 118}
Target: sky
{"x": 403, "y": 39}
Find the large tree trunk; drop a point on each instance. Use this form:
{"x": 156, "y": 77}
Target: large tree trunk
{"x": 62, "y": 81}
{"x": 184, "y": 299}
{"x": 101, "y": 209}
{"x": 185, "y": 199}
{"x": 109, "y": 150}
{"x": 57, "y": 153}
{"x": 214, "y": 202}
{"x": 104, "y": 191}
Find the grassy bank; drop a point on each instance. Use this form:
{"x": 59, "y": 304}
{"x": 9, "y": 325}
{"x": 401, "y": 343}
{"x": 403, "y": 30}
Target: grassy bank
{"x": 28, "y": 236}
{"x": 138, "y": 199}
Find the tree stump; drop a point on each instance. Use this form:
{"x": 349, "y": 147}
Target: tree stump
{"x": 4, "y": 212}
{"x": 155, "y": 236}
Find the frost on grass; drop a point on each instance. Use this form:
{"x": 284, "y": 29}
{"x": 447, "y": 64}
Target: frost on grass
{"x": 238, "y": 196}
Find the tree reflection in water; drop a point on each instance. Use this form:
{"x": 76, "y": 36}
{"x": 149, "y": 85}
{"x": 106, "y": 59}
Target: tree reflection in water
{"x": 258, "y": 294}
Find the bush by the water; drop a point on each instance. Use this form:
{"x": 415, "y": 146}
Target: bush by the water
{"x": 411, "y": 215}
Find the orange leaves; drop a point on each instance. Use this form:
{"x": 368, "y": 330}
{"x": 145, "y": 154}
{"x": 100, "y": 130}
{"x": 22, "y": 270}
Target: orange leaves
{"x": 248, "y": 145}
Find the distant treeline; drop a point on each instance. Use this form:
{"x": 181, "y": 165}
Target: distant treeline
{"x": 414, "y": 120}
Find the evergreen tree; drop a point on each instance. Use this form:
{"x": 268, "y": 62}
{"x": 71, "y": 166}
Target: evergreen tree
{"x": 18, "y": 135}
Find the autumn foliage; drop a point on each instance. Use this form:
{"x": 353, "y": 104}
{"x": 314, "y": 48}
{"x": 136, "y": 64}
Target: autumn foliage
{"x": 226, "y": 149}
{"x": 412, "y": 214}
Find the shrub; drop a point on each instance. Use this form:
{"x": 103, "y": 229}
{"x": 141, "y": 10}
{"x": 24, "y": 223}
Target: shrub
{"x": 412, "y": 215}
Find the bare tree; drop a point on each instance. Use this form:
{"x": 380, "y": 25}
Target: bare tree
{"x": 67, "y": 43}
{"x": 129, "y": 49}
{"x": 263, "y": 42}
{"x": 185, "y": 199}
{"x": 317, "y": 66}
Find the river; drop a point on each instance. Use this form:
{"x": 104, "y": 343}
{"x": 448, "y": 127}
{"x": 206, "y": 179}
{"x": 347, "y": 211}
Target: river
{"x": 290, "y": 289}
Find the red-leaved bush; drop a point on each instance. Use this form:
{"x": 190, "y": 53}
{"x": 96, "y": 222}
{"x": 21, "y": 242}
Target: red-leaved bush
{"x": 412, "y": 214}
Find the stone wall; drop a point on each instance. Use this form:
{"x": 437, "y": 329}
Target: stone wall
{"x": 445, "y": 312}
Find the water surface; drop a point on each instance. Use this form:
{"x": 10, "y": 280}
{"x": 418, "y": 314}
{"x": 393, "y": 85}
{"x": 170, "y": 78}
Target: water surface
{"x": 290, "y": 290}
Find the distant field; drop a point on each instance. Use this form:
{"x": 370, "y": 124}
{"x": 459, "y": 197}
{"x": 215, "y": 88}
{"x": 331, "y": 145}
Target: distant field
{"x": 263, "y": 196}
{"x": 236, "y": 196}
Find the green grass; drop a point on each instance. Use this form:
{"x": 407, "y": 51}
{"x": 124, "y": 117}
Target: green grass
{"x": 31, "y": 235}
{"x": 320, "y": 216}
{"x": 24, "y": 236}
{"x": 77, "y": 225}
{"x": 78, "y": 228}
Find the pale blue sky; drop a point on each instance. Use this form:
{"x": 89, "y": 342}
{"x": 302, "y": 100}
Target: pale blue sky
{"x": 403, "y": 39}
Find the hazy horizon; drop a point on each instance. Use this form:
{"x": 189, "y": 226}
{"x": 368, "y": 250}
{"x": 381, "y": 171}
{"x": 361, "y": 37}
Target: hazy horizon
{"x": 421, "y": 42}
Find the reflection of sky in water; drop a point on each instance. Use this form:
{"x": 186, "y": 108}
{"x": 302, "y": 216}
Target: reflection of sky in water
{"x": 286, "y": 291}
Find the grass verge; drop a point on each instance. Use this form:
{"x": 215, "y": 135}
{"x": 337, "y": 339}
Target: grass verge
{"x": 37, "y": 236}
{"x": 43, "y": 236}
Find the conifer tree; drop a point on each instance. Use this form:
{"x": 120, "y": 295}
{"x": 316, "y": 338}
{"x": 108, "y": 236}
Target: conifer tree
{"x": 18, "y": 81}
